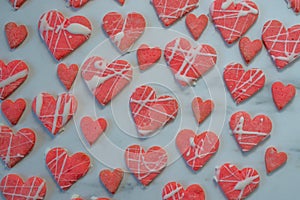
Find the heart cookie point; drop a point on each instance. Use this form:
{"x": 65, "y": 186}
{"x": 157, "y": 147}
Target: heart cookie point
{"x": 282, "y": 94}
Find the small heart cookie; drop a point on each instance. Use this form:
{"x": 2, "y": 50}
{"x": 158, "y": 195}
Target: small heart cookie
{"x": 196, "y": 25}
{"x": 111, "y": 179}
{"x": 67, "y": 170}
{"x": 250, "y": 132}
{"x": 235, "y": 183}
{"x": 91, "y": 129}
{"x": 147, "y": 56}
{"x": 67, "y": 74}
{"x": 151, "y": 113}
{"x": 274, "y": 159}
{"x": 145, "y": 165}
{"x": 282, "y": 94}
{"x": 249, "y": 49}
{"x": 124, "y": 32}
{"x": 13, "y": 111}
{"x": 175, "y": 191}
{"x": 13, "y": 187}
{"x": 202, "y": 109}
{"x": 15, "y": 34}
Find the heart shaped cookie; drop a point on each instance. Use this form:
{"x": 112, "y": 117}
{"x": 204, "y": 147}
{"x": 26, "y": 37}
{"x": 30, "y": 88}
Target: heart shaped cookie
{"x": 169, "y": 11}
{"x": 274, "y": 159}
{"x": 62, "y": 35}
{"x": 111, "y": 179}
{"x": 151, "y": 113}
{"x": 233, "y": 19}
{"x": 202, "y": 109}
{"x": 282, "y": 94}
{"x": 243, "y": 84}
{"x": 282, "y": 44}
{"x": 67, "y": 170}
{"x": 147, "y": 56}
{"x": 249, "y": 49}
{"x": 196, "y": 25}
{"x": 189, "y": 63}
{"x": 196, "y": 150}
{"x": 294, "y": 4}
{"x": 54, "y": 113}
{"x": 13, "y": 187}
{"x": 15, "y": 146}
{"x": 77, "y": 3}
{"x": 16, "y": 4}
{"x": 175, "y": 191}
{"x": 12, "y": 76}
{"x": 145, "y": 166}
{"x": 123, "y": 32}
{"x": 13, "y": 110}
{"x": 249, "y": 132}
{"x": 106, "y": 80}
{"x": 92, "y": 129}
{"x": 67, "y": 74}
{"x": 235, "y": 183}
{"x": 15, "y": 34}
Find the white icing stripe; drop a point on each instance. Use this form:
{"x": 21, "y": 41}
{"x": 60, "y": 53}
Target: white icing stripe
{"x": 241, "y": 185}
{"x": 76, "y": 28}
{"x": 226, "y": 4}
{"x": 13, "y": 78}
{"x": 172, "y": 193}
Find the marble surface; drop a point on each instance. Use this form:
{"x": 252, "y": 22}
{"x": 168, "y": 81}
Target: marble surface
{"x": 109, "y": 149}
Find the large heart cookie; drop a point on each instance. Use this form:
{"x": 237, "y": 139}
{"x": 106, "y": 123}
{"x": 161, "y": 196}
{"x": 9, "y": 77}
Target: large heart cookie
{"x": 175, "y": 191}
{"x": 15, "y": 146}
{"x": 106, "y": 80}
{"x": 13, "y": 111}
{"x": 243, "y": 84}
{"x": 150, "y": 113}
{"x": 282, "y": 94}
{"x": 124, "y": 32}
{"x": 111, "y": 179}
{"x": 67, "y": 170}
{"x": 282, "y": 44}
{"x": 13, "y": 187}
{"x": 169, "y": 11}
{"x": 233, "y": 19}
{"x": 236, "y": 184}
{"x": 197, "y": 149}
{"x": 249, "y": 132}
{"x": 189, "y": 63}
{"x": 274, "y": 159}
{"x": 15, "y": 34}
{"x": 145, "y": 166}
{"x": 16, "y": 4}
{"x": 63, "y": 35}
{"x": 12, "y": 76}
{"x": 54, "y": 113}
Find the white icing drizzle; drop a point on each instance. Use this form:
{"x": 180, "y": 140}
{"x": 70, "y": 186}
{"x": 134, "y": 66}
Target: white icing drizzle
{"x": 13, "y": 78}
{"x": 173, "y": 192}
{"x": 244, "y": 183}
{"x": 226, "y": 4}
{"x": 76, "y": 28}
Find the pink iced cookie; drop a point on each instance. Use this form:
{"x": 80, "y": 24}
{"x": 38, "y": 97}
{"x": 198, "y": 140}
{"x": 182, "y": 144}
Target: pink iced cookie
{"x": 249, "y": 49}
{"x": 202, "y": 109}
{"x": 147, "y": 56}
{"x": 196, "y": 25}
{"x": 175, "y": 191}
{"x": 15, "y": 34}
{"x": 282, "y": 94}
{"x": 274, "y": 159}
{"x": 13, "y": 111}
{"x": 67, "y": 74}
{"x": 92, "y": 129}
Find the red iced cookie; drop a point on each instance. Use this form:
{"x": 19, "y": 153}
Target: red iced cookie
{"x": 13, "y": 110}
{"x": 15, "y": 34}
{"x": 16, "y": 4}
{"x": 295, "y": 5}
{"x": 147, "y": 56}
{"x": 249, "y": 132}
{"x": 169, "y": 11}
{"x": 236, "y": 184}
{"x": 189, "y": 63}
{"x": 12, "y": 76}
{"x": 63, "y": 35}
{"x": 175, "y": 191}
{"x": 274, "y": 159}
{"x": 202, "y": 109}
{"x": 145, "y": 166}
{"x": 77, "y": 3}
{"x": 150, "y": 113}
{"x": 92, "y": 129}
{"x": 67, "y": 74}
{"x": 13, "y": 187}
{"x": 249, "y": 49}
{"x": 243, "y": 84}
{"x": 124, "y": 32}
{"x": 233, "y": 19}
{"x": 106, "y": 80}
{"x": 197, "y": 149}
{"x": 282, "y": 94}
{"x": 15, "y": 146}
{"x": 196, "y": 25}
{"x": 54, "y": 113}
{"x": 111, "y": 179}
{"x": 282, "y": 44}
{"x": 65, "y": 169}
